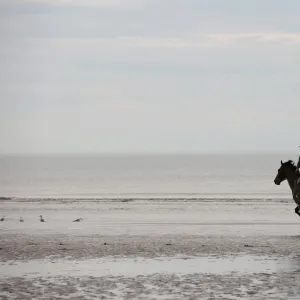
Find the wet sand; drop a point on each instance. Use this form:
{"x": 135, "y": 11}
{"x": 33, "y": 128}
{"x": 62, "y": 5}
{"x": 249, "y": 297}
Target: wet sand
{"x": 175, "y": 250}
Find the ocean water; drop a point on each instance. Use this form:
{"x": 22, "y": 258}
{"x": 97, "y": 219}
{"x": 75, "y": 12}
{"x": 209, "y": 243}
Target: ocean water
{"x": 194, "y": 177}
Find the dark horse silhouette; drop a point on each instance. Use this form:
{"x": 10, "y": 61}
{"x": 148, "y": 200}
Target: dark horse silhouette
{"x": 287, "y": 171}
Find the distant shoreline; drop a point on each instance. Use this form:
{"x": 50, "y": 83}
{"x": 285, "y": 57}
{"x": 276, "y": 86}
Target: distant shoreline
{"x": 151, "y": 154}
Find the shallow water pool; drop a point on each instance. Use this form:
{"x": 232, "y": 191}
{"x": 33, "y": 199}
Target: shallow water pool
{"x": 131, "y": 267}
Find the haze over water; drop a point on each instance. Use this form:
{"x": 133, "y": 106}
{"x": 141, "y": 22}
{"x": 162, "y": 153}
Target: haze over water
{"x": 143, "y": 177}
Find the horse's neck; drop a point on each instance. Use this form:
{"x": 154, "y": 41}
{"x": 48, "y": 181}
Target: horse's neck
{"x": 291, "y": 178}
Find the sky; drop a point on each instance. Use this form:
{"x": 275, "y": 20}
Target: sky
{"x": 149, "y": 76}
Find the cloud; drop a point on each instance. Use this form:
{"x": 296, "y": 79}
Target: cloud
{"x": 152, "y": 18}
{"x": 211, "y": 40}
{"x": 96, "y": 76}
{"x": 257, "y": 37}
{"x": 100, "y": 3}
{"x": 270, "y": 40}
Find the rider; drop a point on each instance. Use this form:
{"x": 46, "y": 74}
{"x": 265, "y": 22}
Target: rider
{"x": 296, "y": 191}
{"x": 297, "y": 170}
{"x": 298, "y": 164}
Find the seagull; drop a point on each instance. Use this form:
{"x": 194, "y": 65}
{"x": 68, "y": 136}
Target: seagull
{"x": 78, "y": 220}
{"x": 41, "y": 219}
{"x": 2, "y": 219}
{"x": 21, "y": 219}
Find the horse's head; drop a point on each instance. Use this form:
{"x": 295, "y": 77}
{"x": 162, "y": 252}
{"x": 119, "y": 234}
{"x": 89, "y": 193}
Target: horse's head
{"x": 283, "y": 171}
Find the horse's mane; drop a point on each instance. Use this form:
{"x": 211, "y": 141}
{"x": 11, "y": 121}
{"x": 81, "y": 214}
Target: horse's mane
{"x": 290, "y": 163}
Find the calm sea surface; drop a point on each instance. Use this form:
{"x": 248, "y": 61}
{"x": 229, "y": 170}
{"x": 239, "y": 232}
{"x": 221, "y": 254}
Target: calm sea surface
{"x": 143, "y": 177}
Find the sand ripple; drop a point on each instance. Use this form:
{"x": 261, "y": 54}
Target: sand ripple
{"x": 194, "y": 286}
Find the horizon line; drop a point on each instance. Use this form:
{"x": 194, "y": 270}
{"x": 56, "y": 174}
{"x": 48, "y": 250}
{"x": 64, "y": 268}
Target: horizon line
{"x": 152, "y": 153}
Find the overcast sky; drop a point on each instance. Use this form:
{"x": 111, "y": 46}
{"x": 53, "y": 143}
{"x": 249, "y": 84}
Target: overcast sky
{"x": 149, "y": 76}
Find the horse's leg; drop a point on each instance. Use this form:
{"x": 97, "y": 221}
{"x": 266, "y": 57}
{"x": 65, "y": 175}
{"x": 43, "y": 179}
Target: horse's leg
{"x": 297, "y": 211}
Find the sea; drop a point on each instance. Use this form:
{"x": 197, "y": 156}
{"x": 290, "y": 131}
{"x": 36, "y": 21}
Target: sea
{"x": 142, "y": 177}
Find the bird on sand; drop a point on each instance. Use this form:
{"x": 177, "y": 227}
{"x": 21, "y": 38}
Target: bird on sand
{"x": 41, "y": 219}
{"x": 2, "y": 219}
{"x": 78, "y": 220}
{"x": 21, "y": 219}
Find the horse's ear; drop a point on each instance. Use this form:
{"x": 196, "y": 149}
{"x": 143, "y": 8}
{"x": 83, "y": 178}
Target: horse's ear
{"x": 281, "y": 163}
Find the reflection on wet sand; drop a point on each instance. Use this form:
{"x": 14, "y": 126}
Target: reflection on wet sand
{"x": 130, "y": 267}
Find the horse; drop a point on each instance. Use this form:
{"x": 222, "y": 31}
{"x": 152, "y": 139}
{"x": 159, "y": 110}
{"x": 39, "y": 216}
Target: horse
{"x": 287, "y": 171}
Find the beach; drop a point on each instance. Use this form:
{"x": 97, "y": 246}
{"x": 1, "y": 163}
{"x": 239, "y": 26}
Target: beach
{"x": 213, "y": 249}
{"x": 148, "y": 150}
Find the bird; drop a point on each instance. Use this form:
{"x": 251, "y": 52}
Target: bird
{"x": 21, "y": 219}
{"x": 41, "y": 219}
{"x": 78, "y": 220}
{"x": 2, "y": 219}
